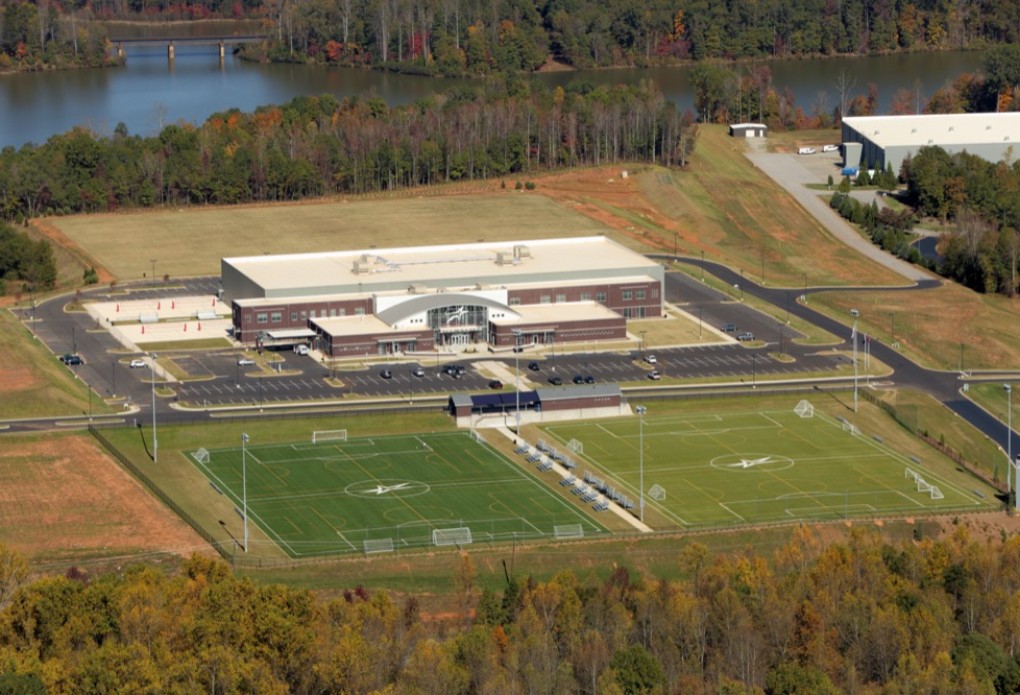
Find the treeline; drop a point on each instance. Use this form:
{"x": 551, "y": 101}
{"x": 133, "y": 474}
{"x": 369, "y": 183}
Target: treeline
{"x": 25, "y": 265}
{"x": 856, "y": 616}
{"x": 887, "y": 228}
{"x": 42, "y": 34}
{"x": 724, "y": 93}
{"x": 320, "y": 145}
{"x": 980, "y": 199}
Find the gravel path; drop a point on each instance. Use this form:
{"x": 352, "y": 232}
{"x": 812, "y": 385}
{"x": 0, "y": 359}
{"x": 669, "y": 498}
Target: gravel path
{"x": 785, "y": 170}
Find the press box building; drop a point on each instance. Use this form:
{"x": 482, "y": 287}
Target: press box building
{"x": 877, "y": 141}
{"x": 421, "y": 298}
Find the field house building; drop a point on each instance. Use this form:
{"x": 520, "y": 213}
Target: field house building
{"x": 425, "y": 298}
{"x": 876, "y": 141}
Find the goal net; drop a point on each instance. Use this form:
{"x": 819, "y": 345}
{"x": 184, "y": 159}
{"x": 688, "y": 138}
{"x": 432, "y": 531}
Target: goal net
{"x": 804, "y": 409}
{"x": 657, "y": 492}
{"x": 378, "y": 545}
{"x": 451, "y": 536}
{"x": 202, "y": 455}
{"x": 576, "y": 446}
{"x": 319, "y": 436}
{"x": 477, "y": 437}
{"x": 568, "y": 531}
{"x": 851, "y": 428}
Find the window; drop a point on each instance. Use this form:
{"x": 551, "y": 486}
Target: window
{"x": 359, "y": 311}
{"x": 276, "y": 317}
{"x": 304, "y": 315}
{"x": 544, "y": 299}
{"x": 247, "y": 318}
{"x": 601, "y": 297}
{"x": 640, "y": 294}
{"x": 561, "y": 298}
{"x": 626, "y": 312}
{"x": 293, "y": 316}
{"x": 312, "y": 314}
{"x": 515, "y": 301}
{"x": 586, "y": 296}
{"x": 655, "y": 293}
{"x": 627, "y": 295}
{"x": 332, "y": 313}
{"x": 261, "y": 317}
{"x": 342, "y": 312}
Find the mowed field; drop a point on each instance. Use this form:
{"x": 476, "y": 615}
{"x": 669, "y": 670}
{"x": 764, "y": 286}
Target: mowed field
{"x": 330, "y": 497}
{"x": 762, "y": 466}
{"x": 191, "y": 242}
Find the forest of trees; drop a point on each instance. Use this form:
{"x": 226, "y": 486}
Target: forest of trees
{"x": 859, "y": 616}
{"x": 455, "y": 37}
{"x": 48, "y": 34}
{"x": 320, "y": 145}
{"x": 982, "y": 201}
{"x": 25, "y": 265}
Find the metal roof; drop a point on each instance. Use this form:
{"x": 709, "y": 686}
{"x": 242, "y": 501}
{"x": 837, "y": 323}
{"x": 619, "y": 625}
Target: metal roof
{"x": 448, "y": 266}
{"x": 560, "y": 393}
{"x": 956, "y": 129}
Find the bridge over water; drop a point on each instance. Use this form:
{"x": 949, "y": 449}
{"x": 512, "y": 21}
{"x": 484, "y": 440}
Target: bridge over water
{"x": 171, "y": 41}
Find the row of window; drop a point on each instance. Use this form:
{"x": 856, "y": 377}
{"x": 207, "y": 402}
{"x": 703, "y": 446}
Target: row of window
{"x": 277, "y": 316}
{"x": 600, "y": 297}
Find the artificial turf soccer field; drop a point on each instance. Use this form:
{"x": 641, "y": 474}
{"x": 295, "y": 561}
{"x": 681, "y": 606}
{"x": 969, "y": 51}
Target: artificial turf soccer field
{"x": 315, "y": 499}
{"x": 759, "y": 467}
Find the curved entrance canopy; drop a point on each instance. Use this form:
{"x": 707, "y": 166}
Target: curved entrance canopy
{"x": 452, "y": 301}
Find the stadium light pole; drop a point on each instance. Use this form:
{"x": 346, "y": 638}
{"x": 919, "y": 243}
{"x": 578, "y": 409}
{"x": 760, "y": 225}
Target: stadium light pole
{"x": 244, "y": 487}
{"x": 517, "y": 368}
{"x": 641, "y": 410}
{"x": 853, "y": 337}
{"x": 155, "y": 441}
{"x": 1009, "y": 431}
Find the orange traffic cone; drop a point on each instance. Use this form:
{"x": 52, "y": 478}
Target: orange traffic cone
{"x": 185, "y": 328}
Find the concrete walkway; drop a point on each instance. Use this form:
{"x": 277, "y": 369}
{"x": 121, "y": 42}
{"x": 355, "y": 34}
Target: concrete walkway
{"x": 786, "y": 171}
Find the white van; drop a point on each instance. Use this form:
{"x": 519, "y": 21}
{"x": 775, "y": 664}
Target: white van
{"x": 301, "y": 349}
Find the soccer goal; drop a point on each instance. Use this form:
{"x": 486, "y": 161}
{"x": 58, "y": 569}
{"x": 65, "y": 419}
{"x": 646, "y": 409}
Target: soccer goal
{"x": 851, "y": 428}
{"x": 567, "y": 531}
{"x": 451, "y": 536}
{"x": 378, "y": 545}
{"x": 657, "y": 492}
{"x": 804, "y": 409}
{"x": 202, "y": 455}
{"x": 319, "y": 436}
{"x": 576, "y": 446}
{"x": 477, "y": 437}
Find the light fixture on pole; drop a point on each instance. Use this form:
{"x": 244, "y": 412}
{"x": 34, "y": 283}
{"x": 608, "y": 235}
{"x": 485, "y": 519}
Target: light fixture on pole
{"x": 641, "y": 410}
{"x": 244, "y": 487}
{"x": 152, "y": 280}
{"x": 853, "y": 339}
{"x": 155, "y": 441}
{"x": 517, "y": 368}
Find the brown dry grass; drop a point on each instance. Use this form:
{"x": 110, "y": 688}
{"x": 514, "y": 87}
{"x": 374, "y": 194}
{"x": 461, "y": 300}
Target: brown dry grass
{"x": 63, "y": 498}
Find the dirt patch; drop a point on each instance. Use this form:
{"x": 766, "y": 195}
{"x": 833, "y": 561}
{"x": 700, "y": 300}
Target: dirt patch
{"x": 553, "y": 65}
{"x": 16, "y": 378}
{"x": 63, "y": 497}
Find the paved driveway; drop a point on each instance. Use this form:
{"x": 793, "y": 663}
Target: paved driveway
{"x": 788, "y": 172}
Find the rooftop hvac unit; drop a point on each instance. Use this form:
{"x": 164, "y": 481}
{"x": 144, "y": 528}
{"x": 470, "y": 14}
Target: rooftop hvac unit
{"x": 522, "y": 251}
{"x": 504, "y": 258}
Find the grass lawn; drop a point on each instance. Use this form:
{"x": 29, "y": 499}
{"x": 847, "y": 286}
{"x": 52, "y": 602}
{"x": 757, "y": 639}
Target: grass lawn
{"x": 190, "y": 242}
{"x": 330, "y": 497}
{"x": 730, "y": 467}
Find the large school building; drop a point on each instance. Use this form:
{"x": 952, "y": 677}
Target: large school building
{"x": 423, "y": 298}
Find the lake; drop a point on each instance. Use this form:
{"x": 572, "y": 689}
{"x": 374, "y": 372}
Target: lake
{"x": 150, "y": 91}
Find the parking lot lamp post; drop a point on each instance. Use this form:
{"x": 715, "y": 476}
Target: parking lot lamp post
{"x": 641, "y": 410}
{"x": 261, "y": 399}
{"x": 517, "y": 368}
{"x": 155, "y": 441}
{"x": 113, "y": 378}
{"x": 410, "y": 382}
{"x": 753, "y": 370}
{"x": 244, "y": 487}
{"x": 153, "y": 278}
{"x": 642, "y": 343}
{"x": 702, "y": 265}
{"x": 700, "y": 324}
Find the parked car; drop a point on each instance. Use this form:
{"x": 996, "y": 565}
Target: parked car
{"x": 746, "y": 336}
{"x": 454, "y": 370}
{"x": 578, "y": 379}
{"x": 555, "y": 380}
{"x": 136, "y": 363}
{"x": 589, "y": 379}
{"x": 654, "y": 375}
{"x": 301, "y": 349}
{"x": 534, "y": 366}
{"x": 386, "y": 374}
{"x": 72, "y": 360}
{"x": 651, "y": 359}
{"x": 418, "y": 371}
{"x": 245, "y": 362}
{"x": 495, "y": 384}
{"x": 730, "y": 328}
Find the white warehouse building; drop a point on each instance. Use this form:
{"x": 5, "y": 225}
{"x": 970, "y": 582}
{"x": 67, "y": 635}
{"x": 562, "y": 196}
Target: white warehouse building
{"x": 878, "y": 141}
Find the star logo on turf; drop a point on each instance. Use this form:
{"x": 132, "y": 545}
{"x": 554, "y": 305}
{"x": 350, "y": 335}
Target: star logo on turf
{"x": 383, "y": 489}
{"x": 750, "y": 463}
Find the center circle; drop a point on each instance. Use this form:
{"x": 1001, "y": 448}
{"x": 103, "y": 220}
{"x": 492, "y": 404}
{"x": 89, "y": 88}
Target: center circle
{"x": 381, "y": 488}
{"x": 755, "y": 461}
